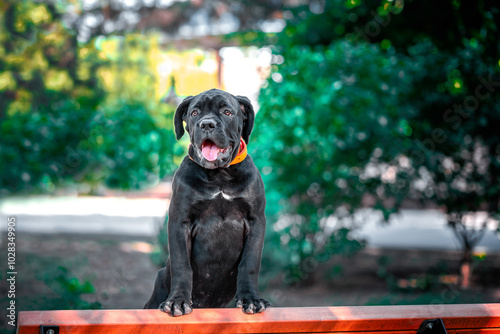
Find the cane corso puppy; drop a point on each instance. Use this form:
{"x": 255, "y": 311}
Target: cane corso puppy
{"x": 216, "y": 220}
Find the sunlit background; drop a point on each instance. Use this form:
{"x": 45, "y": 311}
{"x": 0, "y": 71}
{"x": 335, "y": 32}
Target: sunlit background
{"x": 376, "y": 135}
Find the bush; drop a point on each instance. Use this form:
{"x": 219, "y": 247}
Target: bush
{"x": 67, "y": 143}
{"x": 39, "y": 149}
{"x": 441, "y": 146}
{"x": 77, "y": 114}
{"x": 326, "y": 118}
{"x": 134, "y": 151}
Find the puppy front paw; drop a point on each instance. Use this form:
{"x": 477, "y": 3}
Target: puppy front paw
{"x": 176, "y": 307}
{"x": 252, "y": 304}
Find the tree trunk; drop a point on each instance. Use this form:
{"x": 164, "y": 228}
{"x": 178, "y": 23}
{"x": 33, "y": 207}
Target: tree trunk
{"x": 466, "y": 268}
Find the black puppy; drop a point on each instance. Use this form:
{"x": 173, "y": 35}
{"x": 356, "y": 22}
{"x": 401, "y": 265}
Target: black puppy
{"x": 216, "y": 220}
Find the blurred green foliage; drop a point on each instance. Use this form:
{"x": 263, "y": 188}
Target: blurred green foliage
{"x": 69, "y": 290}
{"x": 44, "y": 104}
{"x": 323, "y": 117}
{"x": 132, "y": 150}
{"x": 369, "y": 107}
{"x": 37, "y": 148}
{"x": 77, "y": 114}
{"x": 453, "y": 111}
{"x": 53, "y": 283}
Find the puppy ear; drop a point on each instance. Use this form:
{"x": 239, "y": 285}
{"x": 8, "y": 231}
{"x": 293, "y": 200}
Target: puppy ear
{"x": 249, "y": 113}
{"x": 180, "y": 115}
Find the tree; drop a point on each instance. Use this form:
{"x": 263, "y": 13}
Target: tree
{"x": 456, "y": 148}
{"x": 177, "y": 19}
{"x": 67, "y": 108}
{"x": 326, "y": 118}
{"x": 418, "y": 119}
{"x": 45, "y": 101}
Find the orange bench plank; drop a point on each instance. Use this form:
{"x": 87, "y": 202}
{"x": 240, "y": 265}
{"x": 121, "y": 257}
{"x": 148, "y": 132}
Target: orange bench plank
{"x": 459, "y": 319}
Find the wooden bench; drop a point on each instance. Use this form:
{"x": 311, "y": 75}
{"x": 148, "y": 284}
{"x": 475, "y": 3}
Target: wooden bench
{"x": 458, "y": 319}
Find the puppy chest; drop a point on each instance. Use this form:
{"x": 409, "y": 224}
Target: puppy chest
{"x": 215, "y": 238}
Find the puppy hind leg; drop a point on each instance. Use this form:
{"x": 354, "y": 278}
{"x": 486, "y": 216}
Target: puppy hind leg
{"x": 160, "y": 293}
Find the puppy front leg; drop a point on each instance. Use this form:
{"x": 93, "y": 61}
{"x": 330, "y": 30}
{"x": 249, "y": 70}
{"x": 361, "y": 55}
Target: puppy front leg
{"x": 179, "y": 244}
{"x": 248, "y": 270}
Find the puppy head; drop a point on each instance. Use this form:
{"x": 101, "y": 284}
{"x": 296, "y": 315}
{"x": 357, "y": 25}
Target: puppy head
{"x": 215, "y": 121}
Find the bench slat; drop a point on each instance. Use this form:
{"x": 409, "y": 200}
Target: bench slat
{"x": 460, "y": 319}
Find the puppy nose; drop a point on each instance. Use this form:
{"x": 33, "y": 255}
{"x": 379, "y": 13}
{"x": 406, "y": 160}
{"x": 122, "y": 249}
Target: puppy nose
{"x": 208, "y": 124}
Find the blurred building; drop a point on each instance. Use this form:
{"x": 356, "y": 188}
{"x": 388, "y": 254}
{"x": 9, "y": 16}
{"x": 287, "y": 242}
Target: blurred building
{"x": 192, "y": 38}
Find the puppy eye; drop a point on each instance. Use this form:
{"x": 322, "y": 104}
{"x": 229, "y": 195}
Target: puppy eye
{"x": 194, "y": 113}
{"x": 228, "y": 112}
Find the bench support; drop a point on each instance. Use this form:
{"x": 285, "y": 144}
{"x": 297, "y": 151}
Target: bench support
{"x": 432, "y": 326}
{"x": 44, "y": 329}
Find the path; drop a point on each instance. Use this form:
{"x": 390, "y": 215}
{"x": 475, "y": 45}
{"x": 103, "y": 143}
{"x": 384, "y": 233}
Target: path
{"x": 418, "y": 229}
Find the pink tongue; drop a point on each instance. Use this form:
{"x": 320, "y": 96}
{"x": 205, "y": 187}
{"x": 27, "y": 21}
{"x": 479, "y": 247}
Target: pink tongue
{"x": 210, "y": 151}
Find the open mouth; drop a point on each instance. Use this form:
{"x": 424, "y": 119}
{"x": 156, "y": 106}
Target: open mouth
{"x": 210, "y": 151}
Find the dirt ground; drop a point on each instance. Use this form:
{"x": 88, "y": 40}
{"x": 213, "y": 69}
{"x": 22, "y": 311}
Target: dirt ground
{"x": 51, "y": 267}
